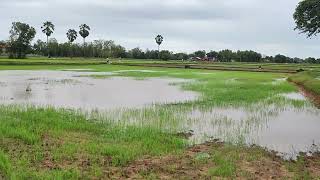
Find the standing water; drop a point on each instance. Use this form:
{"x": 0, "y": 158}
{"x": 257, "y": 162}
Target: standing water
{"x": 286, "y": 129}
{"x": 68, "y": 89}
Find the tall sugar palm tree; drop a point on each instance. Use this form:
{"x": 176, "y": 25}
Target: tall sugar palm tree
{"x": 72, "y": 36}
{"x": 47, "y": 28}
{"x": 159, "y": 40}
{"x": 84, "y": 32}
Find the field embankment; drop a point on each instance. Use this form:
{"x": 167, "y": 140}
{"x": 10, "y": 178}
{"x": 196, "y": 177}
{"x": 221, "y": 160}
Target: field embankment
{"x": 310, "y": 83}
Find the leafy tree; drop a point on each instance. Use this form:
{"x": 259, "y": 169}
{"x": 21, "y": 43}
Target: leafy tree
{"x": 297, "y": 60}
{"x": 181, "y": 56}
{"x": 118, "y": 51}
{"x": 281, "y": 59}
{"x": 151, "y": 54}
{"x": 248, "y": 56}
{"x": 21, "y": 35}
{"x": 136, "y": 53}
{"x": 311, "y": 60}
{"x": 39, "y": 47}
{"x": 72, "y": 35}
{"x": 47, "y": 28}
{"x": 84, "y": 32}
{"x": 213, "y": 54}
{"x": 307, "y": 17}
{"x": 165, "y": 55}
{"x": 53, "y": 46}
{"x": 200, "y": 54}
{"x": 226, "y": 55}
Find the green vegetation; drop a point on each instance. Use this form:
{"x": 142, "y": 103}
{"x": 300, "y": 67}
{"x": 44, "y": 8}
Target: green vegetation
{"x": 307, "y": 17}
{"x": 52, "y": 142}
{"x": 21, "y": 35}
{"x": 47, "y": 143}
{"x": 309, "y": 80}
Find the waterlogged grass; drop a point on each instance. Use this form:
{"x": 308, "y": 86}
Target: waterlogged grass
{"x": 47, "y": 143}
{"x": 44, "y": 143}
{"x": 224, "y": 88}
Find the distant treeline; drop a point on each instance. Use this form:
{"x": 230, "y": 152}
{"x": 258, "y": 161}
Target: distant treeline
{"x": 109, "y": 49}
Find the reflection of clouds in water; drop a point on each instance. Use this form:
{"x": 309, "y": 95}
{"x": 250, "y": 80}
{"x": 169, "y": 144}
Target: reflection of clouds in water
{"x": 280, "y": 129}
{"x": 71, "y": 90}
{"x": 3, "y": 84}
{"x": 294, "y": 96}
{"x": 285, "y": 129}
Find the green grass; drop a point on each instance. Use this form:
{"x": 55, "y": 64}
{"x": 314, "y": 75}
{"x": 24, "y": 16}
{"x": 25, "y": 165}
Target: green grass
{"x": 225, "y": 166}
{"x": 310, "y": 80}
{"x": 92, "y": 61}
{"x": 65, "y": 140}
{"x": 48, "y": 143}
{"x": 5, "y": 165}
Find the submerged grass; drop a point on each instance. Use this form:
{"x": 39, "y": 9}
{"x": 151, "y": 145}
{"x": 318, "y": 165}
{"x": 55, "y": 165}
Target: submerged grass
{"x": 48, "y": 143}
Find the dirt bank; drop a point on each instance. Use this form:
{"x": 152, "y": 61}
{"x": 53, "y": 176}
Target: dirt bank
{"x": 216, "y": 160}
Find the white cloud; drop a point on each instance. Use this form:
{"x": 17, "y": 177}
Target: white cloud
{"x": 264, "y": 26}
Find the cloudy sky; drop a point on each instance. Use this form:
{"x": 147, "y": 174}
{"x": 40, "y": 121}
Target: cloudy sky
{"x": 265, "y": 26}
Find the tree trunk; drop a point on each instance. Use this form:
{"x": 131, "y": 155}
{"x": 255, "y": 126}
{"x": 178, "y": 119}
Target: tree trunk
{"x": 159, "y": 52}
{"x": 48, "y": 47}
{"x": 84, "y": 48}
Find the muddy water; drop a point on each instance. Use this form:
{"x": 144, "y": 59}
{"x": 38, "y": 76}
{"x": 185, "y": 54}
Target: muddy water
{"x": 69, "y": 90}
{"x": 294, "y": 96}
{"x": 286, "y": 130}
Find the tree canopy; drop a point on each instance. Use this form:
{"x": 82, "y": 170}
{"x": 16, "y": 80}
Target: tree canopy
{"x": 47, "y": 28}
{"x": 307, "y": 17}
{"x": 84, "y": 31}
{"x": 72, "y": 35}
{"x": 21, "y": 35}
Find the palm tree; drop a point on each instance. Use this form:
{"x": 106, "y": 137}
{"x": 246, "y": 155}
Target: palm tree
{"x": 159, "y": 40}
{"x": 84, "y": 32}
{"x": 47, "y": 28}
{"x": 72, "y": 35}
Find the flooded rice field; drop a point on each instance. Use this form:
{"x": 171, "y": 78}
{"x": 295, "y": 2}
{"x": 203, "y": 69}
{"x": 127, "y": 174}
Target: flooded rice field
{"x": 286, "y": 130}
{"x": 282, "y": 128}
{"x": 66, "y": 89}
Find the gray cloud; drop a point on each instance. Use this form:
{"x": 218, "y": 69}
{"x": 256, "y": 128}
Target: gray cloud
{"x": 264, "y": 26}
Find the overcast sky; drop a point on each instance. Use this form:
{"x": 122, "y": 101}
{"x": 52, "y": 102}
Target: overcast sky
{"x": 265, "y": 26}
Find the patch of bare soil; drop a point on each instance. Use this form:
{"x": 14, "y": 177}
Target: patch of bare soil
{"x": 193, "y": 163}
{"x": 314, "y": 97}
{"x": 313, "y": 165}
{"x": 185, "y": 166}
{"x": 49, "y": 143}
{"x": 265, "y": 168}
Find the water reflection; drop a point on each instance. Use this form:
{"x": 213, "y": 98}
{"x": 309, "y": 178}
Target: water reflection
{"x": 287, "y": 130}
{"x": 69, "y": 90}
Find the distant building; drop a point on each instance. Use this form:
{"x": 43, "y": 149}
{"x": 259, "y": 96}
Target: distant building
{"x": 206, "y": 58}
{"x": 3, "y": 48}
